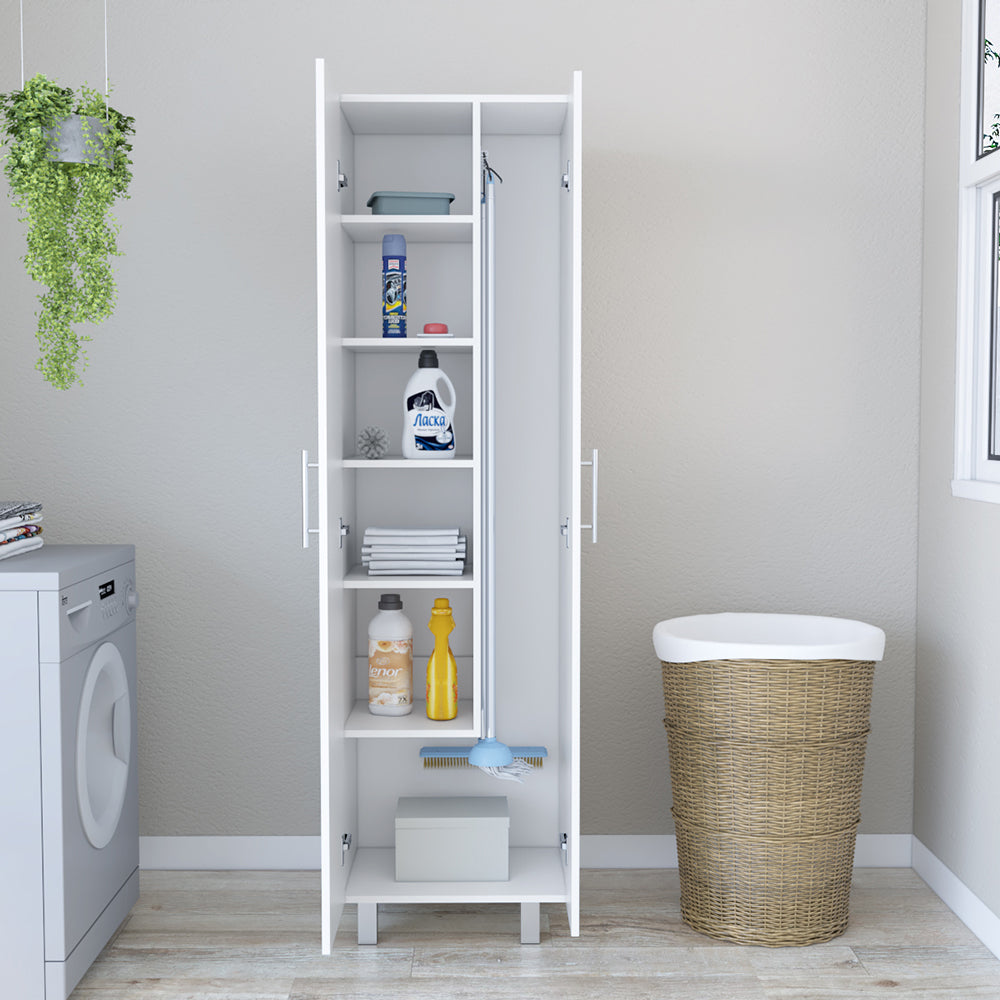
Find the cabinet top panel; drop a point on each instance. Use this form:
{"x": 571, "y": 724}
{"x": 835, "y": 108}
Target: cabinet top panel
{"x": 371, "y": 114}
{"x": 524, "y": 115}
{"x": 512, "y": 114}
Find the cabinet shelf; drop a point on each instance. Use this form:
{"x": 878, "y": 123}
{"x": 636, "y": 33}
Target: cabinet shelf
{"x": 398, "y": 462}
{"x": 357, "y": 578}
{"x": 362, "y": 724}
{"x": 537, "y": 875}
{"x": 402, "y": 345}
{"x": 416, "y": 228}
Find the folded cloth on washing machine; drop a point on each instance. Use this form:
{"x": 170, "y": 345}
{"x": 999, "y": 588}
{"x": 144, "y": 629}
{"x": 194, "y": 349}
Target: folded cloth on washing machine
{"x": 19, "y": 545}
{"x": 19, "y": 521}
{"x": 16, "y": 508}
{"x": 24, "y": 531}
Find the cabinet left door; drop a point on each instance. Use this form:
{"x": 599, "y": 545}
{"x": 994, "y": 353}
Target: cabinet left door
{"x": 334, "y": 311}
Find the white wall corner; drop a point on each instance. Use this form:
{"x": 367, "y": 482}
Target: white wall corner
{"x": 961, "y": 900}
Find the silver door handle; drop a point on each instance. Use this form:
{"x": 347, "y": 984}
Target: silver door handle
{"x": 592, "y": 527}
{"x": 306, "y": 530}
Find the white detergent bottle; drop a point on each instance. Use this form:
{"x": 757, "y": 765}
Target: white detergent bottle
{"x": 390, "y": 659}
{"x": 428, "y": 411}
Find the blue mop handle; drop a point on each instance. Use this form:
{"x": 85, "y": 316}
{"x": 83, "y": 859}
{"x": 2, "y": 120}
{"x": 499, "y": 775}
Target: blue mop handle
{"x": 488, "y": 547}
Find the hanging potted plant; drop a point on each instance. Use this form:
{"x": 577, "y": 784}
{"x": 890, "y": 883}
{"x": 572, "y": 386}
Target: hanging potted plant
{"x": 67, "y": 163}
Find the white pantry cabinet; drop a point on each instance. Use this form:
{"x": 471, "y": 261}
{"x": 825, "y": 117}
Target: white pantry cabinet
{"x": 369, "y": 143}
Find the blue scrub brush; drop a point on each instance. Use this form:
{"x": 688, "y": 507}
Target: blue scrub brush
{"x": 490, "y": 755}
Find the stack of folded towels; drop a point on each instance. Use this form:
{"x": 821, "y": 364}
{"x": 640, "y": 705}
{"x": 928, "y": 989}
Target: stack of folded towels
{"x": 19, "y": 527}
{"x": 413, "y": 551}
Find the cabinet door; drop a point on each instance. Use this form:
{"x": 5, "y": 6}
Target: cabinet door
{"x": 570, "y": 455}
{"x": 338, "y": 809}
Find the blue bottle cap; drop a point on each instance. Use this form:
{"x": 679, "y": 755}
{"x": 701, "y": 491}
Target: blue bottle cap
{"x": 393, "y": 245}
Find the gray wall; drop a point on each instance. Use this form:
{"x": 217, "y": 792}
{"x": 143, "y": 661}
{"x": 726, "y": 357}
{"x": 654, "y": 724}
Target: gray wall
{"x": 751, "y": 340}
{"x": 956, "y": 808}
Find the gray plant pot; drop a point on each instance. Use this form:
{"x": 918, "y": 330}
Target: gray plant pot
{"x": 67, "y": 141}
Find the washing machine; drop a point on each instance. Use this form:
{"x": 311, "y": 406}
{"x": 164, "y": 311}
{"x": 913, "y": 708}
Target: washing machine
{"x": 69, "y": 807}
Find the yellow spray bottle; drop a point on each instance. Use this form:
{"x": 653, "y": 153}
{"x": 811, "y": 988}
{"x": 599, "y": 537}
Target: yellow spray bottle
{"x": 442, "y": 671}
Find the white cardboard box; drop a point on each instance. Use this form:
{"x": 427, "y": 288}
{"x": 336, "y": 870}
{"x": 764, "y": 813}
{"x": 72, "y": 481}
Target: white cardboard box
{"x": 452, "y": 839}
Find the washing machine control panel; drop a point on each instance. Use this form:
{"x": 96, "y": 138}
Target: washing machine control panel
{"x": 87, "y": 611}
{"x": 111, "y": 602}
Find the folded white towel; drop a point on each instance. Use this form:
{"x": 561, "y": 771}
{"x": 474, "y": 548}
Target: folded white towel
{"x": 412, "y": 531}
{"x": 414, "y": 572}
{"x": 422, "y": 567}
{"x": 400, "y": 546}
{"x": 391, "y": 552}
{"x": 409, "y": 540}
{"x": 22, "y": 545}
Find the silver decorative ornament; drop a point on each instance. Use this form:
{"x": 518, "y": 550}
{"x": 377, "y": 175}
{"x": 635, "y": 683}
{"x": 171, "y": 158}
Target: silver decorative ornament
{"x": 373, "y": 442}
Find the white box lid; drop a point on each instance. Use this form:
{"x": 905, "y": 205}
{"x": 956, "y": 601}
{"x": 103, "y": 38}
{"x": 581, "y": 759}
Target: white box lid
{"x": 450, "y": 810}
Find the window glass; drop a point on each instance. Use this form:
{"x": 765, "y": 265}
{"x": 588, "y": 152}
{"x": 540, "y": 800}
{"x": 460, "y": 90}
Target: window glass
{"x": 994, "y": 386}
{"x": 989, "y": 76}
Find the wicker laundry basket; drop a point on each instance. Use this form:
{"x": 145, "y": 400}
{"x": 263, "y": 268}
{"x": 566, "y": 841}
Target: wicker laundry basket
{"x": 766, "y": 759}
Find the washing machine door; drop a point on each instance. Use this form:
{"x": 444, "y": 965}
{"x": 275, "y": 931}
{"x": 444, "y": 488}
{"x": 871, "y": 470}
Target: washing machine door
{"x": 103, "y": 745}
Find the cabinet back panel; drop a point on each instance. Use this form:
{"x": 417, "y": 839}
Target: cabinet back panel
{"x": 438, "y": 287}
{"x": 388, "y": 769}
{"x": 527, "y": 439}
{"x": 417, "y": 606}
{"x": 413, "y": 163}
{"x": 421, "y": 498}
{"x": 380, "y": 381}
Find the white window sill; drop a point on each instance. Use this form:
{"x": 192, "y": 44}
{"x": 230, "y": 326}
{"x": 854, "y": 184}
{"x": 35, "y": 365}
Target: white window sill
{"x": 973, "y": 489}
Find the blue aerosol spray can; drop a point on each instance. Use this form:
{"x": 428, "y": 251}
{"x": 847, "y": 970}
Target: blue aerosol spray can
{"x": 393, "y": 285}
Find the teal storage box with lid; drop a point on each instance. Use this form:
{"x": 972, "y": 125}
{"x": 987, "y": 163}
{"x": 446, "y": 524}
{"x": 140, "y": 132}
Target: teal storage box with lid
{"x": 410, "y": 202}
{"x": 452, "y": 839}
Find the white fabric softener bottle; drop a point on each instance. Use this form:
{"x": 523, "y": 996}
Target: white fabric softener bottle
{"x": 429, "y": 411}
{"x": 390, "y": 659}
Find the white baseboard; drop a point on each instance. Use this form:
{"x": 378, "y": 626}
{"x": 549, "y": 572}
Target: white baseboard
{"x": 964, "y": 903}
{"x": 628, "y": 851}
{"x": 872, "y": 850}
{"x": 596, "y": 851}
{"x": 229, "y": 853}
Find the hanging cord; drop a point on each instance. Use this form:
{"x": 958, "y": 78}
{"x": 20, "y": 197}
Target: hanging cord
{"x": 107, "y": 76}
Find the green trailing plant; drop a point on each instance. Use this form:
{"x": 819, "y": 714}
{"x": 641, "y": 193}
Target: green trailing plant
{"x": 72, "y": 235}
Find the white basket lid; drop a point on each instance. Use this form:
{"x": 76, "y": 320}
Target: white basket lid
{"x": 735, "y": 636}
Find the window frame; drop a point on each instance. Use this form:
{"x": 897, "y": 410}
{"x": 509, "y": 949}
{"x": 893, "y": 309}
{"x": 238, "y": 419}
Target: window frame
{"x": 977, "y": 448}
{"x": 977, "y": 388}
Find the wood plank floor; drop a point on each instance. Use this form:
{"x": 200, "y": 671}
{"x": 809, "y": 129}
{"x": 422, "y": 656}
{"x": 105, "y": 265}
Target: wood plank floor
{"x": 255, "y": 936}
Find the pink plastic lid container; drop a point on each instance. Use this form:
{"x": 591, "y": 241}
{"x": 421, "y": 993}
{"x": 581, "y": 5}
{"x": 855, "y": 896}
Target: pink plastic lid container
{"x": 435, "y": 329}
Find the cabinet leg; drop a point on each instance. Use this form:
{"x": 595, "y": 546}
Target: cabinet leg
{"x": 531, "y": 923}
{"x": 367, "y": 923}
